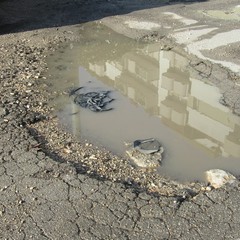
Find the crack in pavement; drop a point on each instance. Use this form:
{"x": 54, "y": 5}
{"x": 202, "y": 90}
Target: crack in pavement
{"x": 45, "y": 197}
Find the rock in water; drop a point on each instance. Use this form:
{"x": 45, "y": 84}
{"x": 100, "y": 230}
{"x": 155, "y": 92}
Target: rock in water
{"x": 145, "y": 153}
{"x": 147, "y": 146}
{"x": 217, "y": 177}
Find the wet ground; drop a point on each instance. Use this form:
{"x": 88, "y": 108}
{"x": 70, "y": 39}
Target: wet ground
{"x": 156, "y": 93}
{"x": 54, "y": 186}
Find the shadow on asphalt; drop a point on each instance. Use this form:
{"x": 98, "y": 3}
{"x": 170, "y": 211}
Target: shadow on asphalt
{"x": 25, "y": 15}
{"x": 78, "y": 166}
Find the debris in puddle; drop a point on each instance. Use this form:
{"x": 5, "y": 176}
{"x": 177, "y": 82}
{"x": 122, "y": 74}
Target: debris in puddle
{"x": 160, "y": 93}
{"x": 145, "y": 153}
{"x": 147, "y": 146}
{"x": 95, "y": 101}
{"x": 72, "y": 91}
{"x": 217, "y": 177}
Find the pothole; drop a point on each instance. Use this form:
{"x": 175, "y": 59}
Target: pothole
{"x": 155, "y": 96}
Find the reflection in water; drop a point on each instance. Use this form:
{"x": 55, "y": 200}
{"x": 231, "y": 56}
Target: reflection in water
{"x": 183, "y": 112}
{"x": 159, "y": 81}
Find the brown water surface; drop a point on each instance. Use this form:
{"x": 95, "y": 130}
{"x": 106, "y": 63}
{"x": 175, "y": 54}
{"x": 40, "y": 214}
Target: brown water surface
{"x": 155, "y": 95}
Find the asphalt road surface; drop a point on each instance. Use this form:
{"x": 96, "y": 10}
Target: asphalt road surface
{"x": 44, "y": 195}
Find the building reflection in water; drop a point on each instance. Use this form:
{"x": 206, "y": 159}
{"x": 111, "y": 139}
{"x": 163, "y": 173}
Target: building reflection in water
{"x": 160, "y": 82}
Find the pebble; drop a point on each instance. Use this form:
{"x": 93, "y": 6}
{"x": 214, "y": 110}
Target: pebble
{"x": 208, "y": 188}
{"x": 4, "y": 188}
{"x": 3, "y": 112}
{"x": 67, "y": 150}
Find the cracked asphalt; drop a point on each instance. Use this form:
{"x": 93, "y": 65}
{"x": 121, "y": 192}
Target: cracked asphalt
{"x": 48, "y": 195}
{"x": 43, "y": 199}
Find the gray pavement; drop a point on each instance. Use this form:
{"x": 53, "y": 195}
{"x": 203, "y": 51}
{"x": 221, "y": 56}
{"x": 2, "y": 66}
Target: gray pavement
{"x": 43, "y": 199}
{"x": 43, "y": 196}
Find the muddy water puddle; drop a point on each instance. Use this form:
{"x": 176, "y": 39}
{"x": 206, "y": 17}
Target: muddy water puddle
{"x": 155, "y": 96}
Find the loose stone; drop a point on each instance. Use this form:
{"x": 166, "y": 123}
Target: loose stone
{"x": 217, "y": 177}
{"x": 3, "y": 112}
{"x": 145, "y": 153}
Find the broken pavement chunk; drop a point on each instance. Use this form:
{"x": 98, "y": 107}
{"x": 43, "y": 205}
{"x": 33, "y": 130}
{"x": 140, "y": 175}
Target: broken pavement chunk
{"x": 145, "y": 153}
{"x": 147, "y": 146}
{"x": 217, "y": 177}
